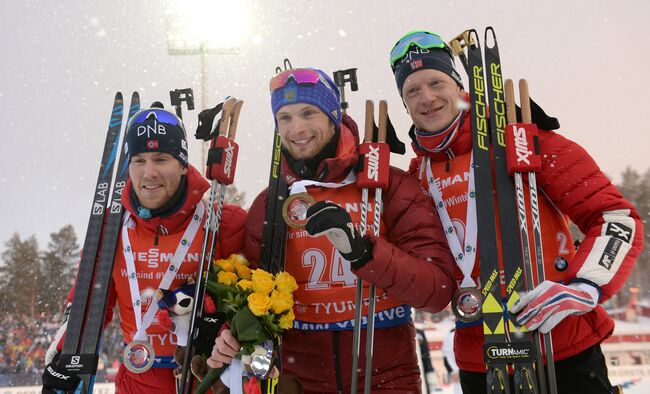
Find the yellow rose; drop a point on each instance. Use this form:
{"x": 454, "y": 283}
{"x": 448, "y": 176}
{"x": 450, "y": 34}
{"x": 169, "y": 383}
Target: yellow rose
{"x": 225, "y": 265}
{"x": 281, "y": 301}
{"x": 227, "y": 278}
{"x": 285, "y": 282}
{"x": 259, "y": 303}
{"x": 242, "y": 271}
{"x": 245, "y": 284}
{"x": 286, "y": 320}
{"x": 238, "y": 259}
{"x": 262, "y": 281}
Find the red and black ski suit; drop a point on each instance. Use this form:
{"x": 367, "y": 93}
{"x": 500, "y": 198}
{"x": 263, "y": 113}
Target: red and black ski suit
{"x": 571, "y": 184}
{"x": 411, "y": 265}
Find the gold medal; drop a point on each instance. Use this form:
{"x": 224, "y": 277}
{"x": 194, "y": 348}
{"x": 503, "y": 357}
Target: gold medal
{"x": 138, "y": 356}
{"x": 294, "y": 210}
{"x": 466, "y": 304}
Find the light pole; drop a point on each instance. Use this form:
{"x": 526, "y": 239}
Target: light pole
{"x": 201, "y": 27}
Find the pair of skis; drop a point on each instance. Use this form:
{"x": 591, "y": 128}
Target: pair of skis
{"x": 505, "y": 342}
{"x": 220, "y": 170}
{"x": 79, "y": 355}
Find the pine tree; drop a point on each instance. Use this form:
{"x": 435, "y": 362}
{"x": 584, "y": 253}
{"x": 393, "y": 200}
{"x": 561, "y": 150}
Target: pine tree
{"x": 20, "y": 276}
{"x": 59, "y": 263}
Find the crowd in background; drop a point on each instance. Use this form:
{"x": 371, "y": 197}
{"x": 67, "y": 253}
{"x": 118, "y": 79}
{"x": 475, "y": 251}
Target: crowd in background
{"x": 24, "y": 341}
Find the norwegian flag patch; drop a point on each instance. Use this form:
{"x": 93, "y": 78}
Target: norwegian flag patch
{"x": 415, "y": 64}
{"x": 152, "y": 144}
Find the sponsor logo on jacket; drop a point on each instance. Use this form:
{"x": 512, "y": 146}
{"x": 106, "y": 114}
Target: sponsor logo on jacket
{"x": 153, "y": 257}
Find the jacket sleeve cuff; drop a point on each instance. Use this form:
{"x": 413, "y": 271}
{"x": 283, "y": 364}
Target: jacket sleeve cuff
{"x": 365, "y": 257}
{"x": 583, "y": 281}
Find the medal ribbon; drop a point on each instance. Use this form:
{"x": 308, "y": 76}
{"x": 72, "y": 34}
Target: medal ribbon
{"x": 142, "y": 323}
{"x": 301, "y": 186}
{"x": 463, "y": 255}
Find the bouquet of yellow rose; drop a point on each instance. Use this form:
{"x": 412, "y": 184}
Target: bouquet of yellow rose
{"x": 258, "y": 305}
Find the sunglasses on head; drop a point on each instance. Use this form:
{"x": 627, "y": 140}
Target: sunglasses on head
{"x": 302, "y": 76}
{"x": 421, "y": 39}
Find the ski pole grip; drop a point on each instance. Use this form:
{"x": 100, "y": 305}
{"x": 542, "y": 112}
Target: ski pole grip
{"x": 234, "y": 119}
{"x": 224, "y": 122}
{"x": 524, "y": 98}
{"x": 511, "y": 108}
{"x": 383, "y": 121}
{"x": 370, "y": 121}
{"x": 223, "y": 152}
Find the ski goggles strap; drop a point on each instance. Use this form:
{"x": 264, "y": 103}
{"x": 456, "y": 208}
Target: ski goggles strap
{"x": 422, "y": 39}
{"x": 302, "y": 76}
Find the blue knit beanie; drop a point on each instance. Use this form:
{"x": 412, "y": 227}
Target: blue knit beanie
{"x": 324, "y": 95}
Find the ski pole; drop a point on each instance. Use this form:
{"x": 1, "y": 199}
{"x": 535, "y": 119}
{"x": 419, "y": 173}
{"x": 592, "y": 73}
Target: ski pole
{"x": 376, "y": 167}
{"x": 522, "y": 152}
{"x": 221, "y": 165}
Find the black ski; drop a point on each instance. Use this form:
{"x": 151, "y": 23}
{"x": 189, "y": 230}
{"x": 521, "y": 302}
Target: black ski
{"x": 275, "y": 229}
{"x": 517, "y": 267}
{"x": 274, "y": 235}
{"x": 492, "y": 307}
{"x": 83, "y": 359}
{"x": 70, "y": 358}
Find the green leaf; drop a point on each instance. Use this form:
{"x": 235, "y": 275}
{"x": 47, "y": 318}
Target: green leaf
{"x": 247, "y": 328}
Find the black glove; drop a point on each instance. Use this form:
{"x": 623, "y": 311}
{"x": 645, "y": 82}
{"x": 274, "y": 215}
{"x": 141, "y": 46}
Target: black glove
{"x": 329, "y": 219}
{"x": 208, "y": 327}
{"x": 57, "y": 379}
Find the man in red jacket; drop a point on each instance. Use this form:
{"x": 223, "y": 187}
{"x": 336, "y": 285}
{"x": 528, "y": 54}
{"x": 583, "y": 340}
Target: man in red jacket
{"x": 572, "y": 184}
{"x": 409, "y": 263}
{"x": 162, "y": 227}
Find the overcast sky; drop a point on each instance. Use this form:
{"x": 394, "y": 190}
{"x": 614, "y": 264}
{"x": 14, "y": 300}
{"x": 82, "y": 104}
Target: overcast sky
{"x": 62, "y": 62}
